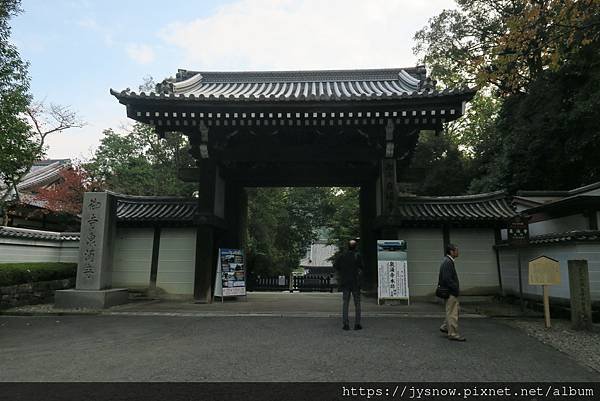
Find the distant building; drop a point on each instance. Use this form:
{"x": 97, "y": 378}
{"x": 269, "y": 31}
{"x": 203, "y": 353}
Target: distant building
{"x": 26, "y": 211}
{"x": 317, "y": 258}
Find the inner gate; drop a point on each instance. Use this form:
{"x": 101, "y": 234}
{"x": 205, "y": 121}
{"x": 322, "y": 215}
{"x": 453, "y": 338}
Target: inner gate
{"x": 293, "y": 128}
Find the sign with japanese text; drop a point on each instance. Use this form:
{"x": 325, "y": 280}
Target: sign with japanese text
{"x": 392, "y": 270}
{"x": 544, "y": 271}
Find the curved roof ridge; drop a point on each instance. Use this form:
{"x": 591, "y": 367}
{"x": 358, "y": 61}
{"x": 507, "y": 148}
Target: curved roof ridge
{"x": 417, "y": 73}
{"x": 474, "y": 197}
{"x": 126, "y": 197}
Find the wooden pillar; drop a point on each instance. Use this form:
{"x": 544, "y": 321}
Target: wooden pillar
{"x": 236, "y": 210}
{"x": 389, "y": 190}
{"x": 368, "y": 242}
{"x": 205, "y": 238}
{"x": 206, "y": 256}
{"x": 389, "y": 196}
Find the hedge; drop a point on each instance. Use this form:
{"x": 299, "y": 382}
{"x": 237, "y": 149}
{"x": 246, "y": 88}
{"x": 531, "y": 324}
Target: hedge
{"x": 22, "y": 273}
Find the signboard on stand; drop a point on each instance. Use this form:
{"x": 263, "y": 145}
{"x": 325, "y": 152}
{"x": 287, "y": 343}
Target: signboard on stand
{"x": 392, "y": 270}
{"x": 231, "y": 274}
{"x": 544, "y": 271}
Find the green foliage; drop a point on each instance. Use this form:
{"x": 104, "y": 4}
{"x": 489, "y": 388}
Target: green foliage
{"x": 22, "y": 273}
{"x": 343, "y": 223}
{"x": 505, "y": 43}
{"x": 549, "y": 137}
{"x": 17, "y": 150}
{"x": 282, "y": 222}
{"x": 139, "y": 163}
{"x": 530, "y": 124}
{"x": 443, "y": 169}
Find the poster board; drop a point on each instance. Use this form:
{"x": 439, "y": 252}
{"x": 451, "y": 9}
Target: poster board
{"x": 231, "y": 273}
{"x": 392, "y": 270}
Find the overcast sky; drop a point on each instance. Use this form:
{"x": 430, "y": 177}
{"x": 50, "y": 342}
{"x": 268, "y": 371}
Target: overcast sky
{"x": 79, "y": 49}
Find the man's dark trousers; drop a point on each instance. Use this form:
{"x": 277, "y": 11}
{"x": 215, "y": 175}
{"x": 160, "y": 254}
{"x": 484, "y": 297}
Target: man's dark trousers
{"x": 356, "y": 296}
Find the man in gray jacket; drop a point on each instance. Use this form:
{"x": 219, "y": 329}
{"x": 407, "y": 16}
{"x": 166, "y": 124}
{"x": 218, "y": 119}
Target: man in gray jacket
{"x": 449, "y": 279}
{"x": 349, "y": 267}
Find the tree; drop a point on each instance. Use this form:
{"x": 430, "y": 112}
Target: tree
{"x": 138, "y": 162}
{"x": 505, "y": 43}
{"x": 440, "y": 166}
{"x": 343, "y": 222}
{"x": 24, "y": 126}
{"x": 507, "y": 48}
{"x": 66, "y": 196}
{"x": 550, "y": 136}
{"x": 17, "y": 151}
{"x": 282, "y": 223}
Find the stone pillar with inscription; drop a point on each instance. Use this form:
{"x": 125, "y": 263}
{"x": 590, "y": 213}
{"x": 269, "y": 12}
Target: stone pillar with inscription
{"x": 581, "y": 303}
{"x": 93, "y": 283}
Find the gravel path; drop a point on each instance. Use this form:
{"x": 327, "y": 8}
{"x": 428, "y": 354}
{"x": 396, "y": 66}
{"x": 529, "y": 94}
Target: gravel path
{"x": 583, "y": 346}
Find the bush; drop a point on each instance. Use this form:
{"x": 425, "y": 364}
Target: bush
{"x": 21, "y": 273}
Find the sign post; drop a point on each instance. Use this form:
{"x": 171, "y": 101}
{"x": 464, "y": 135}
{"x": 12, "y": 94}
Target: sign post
{"x": 518, "y": 236}
{"x": 231, "y": 274}
{"x": 544, "y": 271}
{"x": 392, "y": 270}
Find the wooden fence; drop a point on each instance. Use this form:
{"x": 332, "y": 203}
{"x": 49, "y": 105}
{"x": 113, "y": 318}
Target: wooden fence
{"x": 302, "y": 283}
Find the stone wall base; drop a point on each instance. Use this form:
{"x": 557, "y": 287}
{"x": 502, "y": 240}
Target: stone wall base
{"x": 92, "y": 299}
{"x": 32, "y": 293}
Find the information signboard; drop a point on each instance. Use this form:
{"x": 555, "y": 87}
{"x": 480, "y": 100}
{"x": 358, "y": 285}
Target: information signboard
{"x": 231, "y": 273}
{"x": 392, "y": 270}
{"x": 544, "y": 271}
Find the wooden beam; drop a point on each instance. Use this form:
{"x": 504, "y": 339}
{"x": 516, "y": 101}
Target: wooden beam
{"x": 306, "y": 153}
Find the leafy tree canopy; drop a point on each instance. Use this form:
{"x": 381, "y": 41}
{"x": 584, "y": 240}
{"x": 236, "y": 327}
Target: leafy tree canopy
{"x": 523, "y": 56}
{"x": 138, "y": 162}
{"x": 17, "y": 151}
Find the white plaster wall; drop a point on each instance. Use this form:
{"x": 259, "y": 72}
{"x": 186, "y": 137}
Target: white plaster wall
{"x": 425, "y": 249}
{"x": 567, "y": 223}
{"x": 562, "y": 253}
{"x": 132, "y": 257}
{"x": 476, "y": 265}
{"x": 69, "y": 252}
{"x": 176, "y": 261}
{"x": 16, "y": 250}
{"x": 591, "y": 253}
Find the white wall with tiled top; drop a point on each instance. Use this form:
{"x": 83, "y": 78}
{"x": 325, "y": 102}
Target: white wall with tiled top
{"x": 560, "y": 252}
{"x": 476, "y": 266}
{"x": 132, "y": 257}
{"x": 559, "y": 225}
{"x": 176, "y": 261}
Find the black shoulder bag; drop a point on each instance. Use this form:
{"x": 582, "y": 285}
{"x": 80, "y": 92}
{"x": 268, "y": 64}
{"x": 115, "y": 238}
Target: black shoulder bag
{"x": 442, "y": 292}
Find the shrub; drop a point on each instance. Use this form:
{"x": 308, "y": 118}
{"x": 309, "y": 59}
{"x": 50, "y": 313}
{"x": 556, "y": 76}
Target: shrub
{"x": 21, "y": 273}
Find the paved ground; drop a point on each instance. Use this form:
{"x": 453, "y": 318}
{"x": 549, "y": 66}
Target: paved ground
{"x": 250, "y": 348}
{"x": 281, "y": 304}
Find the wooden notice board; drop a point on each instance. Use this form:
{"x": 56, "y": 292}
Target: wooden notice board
{"x": 544, "y": 271}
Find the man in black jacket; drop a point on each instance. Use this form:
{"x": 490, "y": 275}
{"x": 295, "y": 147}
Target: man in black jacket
{"x": 349, "y": 267}
{"x": 449, "y": 279}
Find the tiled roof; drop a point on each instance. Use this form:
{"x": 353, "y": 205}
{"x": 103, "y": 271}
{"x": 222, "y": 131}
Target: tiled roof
{"x": 490, "y": 206}
{"x": 558, "y": 194}
{"x": 43, "y": 173}
{"x": 24, "y": 233}
{"x": 569, "y": 236}
{"x": 155, "y": 209}
{"x": 322, "y": 85}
